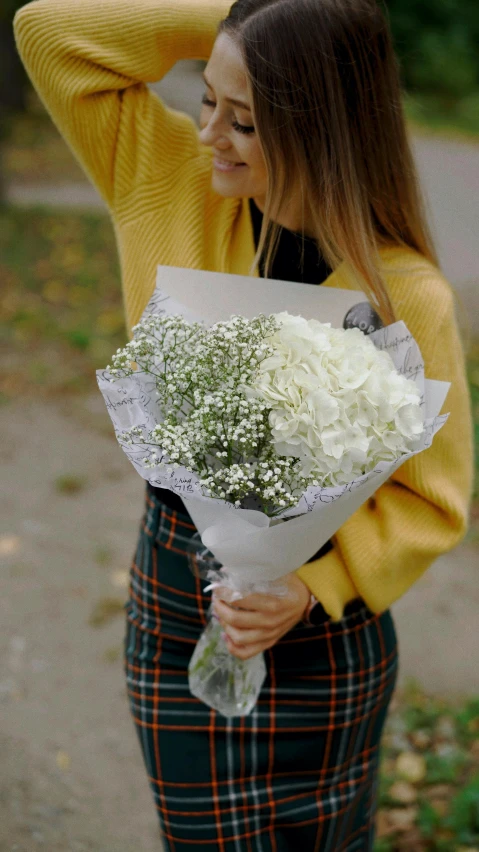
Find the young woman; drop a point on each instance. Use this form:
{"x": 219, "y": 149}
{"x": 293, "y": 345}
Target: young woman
{"x": 301, "y": 127}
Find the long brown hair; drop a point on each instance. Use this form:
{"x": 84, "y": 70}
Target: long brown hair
{"x": 327, "y": 105}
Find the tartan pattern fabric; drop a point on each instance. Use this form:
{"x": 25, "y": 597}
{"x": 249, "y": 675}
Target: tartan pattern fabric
{"x": 299, "y": 774}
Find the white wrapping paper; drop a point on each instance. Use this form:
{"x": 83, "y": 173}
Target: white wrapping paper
{"x": 247, "y": 542}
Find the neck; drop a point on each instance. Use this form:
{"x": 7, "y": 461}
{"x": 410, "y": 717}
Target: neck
{"x": 288, "y": 218}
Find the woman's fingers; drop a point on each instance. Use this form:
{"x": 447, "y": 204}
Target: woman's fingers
{"x": 243, "y": 619}
{"x": 245, "y": 652}
{"x": 256, "y": 622}
{"x": 255, "y": 602}
{"x": 261, "y": 603}
{"x": 250, "y": 637}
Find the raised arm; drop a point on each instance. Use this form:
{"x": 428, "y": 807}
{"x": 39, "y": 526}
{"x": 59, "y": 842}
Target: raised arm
{"x": 90, "y": 61}
{"x": 422, "y": 511}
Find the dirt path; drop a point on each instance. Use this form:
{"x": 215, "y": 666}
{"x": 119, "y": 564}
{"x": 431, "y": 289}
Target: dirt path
{"x": 72, "y": 777}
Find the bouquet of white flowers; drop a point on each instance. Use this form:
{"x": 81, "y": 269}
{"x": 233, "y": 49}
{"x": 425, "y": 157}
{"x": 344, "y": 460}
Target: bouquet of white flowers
{"x": 261, "y": 409}
{"x": 259, "y": 421}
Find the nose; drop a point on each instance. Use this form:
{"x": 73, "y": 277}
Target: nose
{"x": 212, "y": 134}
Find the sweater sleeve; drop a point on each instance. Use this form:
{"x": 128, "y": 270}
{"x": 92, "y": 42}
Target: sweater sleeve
{"x": 90, "y": 62}
{"x": 418, "y": 514}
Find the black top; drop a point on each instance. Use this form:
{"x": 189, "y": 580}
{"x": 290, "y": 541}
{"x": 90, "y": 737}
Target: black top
{"x": 286, "y": 266}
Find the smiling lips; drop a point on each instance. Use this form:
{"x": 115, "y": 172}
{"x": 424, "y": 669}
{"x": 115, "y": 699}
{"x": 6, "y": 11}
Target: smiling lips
{"x": 226, "y": 165}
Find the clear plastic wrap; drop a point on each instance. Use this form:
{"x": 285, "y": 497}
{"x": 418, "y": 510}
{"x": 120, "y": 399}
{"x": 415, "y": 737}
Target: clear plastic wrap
{"x": 218, "y": 678}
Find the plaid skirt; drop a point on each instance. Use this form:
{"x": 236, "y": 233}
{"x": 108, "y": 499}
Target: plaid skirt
{"x": 300, "y": 772}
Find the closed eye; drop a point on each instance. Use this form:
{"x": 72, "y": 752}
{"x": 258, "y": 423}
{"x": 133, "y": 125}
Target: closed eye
{"x": 240, "y": 128}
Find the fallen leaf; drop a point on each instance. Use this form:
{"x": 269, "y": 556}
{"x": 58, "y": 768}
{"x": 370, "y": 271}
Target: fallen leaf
{"x": 403, "y": 792}
{"x": 55, "y": 291}
{"x": 441, "y": 806}
{"x": 69, "y": 483}
{"x": 383, "y": 826}
{"x": 410, "y": 840}
{"x": 473, "y": 725}
{"x": 113, "y": 474}
{"x": 475, "y": 750}
{"x": 102, "y": 555}
{"x": 111, "y": 655}
{"x": 63, "y": 760}
{"x": 440, "y": 791}
{"x": 9, "y": 544}
{"x": 411, "y": 767}
{"x": 104, "y": 610}
{"x": 445, "y": 729}
{"x": 110, "y": 322}
{"x": 120, "y": 579}
{"x": 402, "y": 819}
{"x": 446, "y": 835}
{"x": 420, "y": 739}
{"x": 71, "y": 257}
{"x": 78, "y": 296}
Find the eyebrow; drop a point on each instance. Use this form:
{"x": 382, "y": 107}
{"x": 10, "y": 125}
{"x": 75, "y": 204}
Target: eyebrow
{"x": 234, "y": 101}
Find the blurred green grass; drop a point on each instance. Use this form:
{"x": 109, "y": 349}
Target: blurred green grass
{"x": 35, "y": 152}
{"x": 456, "y": 119}
{"x": 61, "y": 304}
{"x": 473, "y": 375}
{"x": 429, "y": 778}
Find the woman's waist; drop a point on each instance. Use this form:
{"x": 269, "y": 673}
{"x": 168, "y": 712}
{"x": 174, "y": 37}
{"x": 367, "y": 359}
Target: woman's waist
{"x": 179, "y": 608}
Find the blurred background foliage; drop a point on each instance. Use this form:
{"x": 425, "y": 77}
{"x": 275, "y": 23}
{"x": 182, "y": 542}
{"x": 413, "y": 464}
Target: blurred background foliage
{"x": 429, "y": 785}
{"x": 437, "y": 42}
{"x": 60, "y": 302}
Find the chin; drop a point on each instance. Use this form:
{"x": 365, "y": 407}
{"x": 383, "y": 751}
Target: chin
{"x": 229, "y": 187}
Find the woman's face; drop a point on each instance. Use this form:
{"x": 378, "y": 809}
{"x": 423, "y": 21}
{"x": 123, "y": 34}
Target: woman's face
{"x": 226, "y": 121}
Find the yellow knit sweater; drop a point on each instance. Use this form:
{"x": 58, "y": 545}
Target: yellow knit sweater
{"x": 90, "y": 61}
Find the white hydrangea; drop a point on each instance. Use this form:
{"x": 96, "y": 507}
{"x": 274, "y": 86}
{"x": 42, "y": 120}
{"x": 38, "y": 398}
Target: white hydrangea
{"x": 337, "y": 403}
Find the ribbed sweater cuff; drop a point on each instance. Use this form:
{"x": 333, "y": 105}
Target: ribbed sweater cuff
{"x": 330, "y": 583}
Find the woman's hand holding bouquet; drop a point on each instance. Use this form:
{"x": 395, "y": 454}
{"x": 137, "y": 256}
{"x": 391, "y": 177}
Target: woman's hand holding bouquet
{"x": 259, "y": 621}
